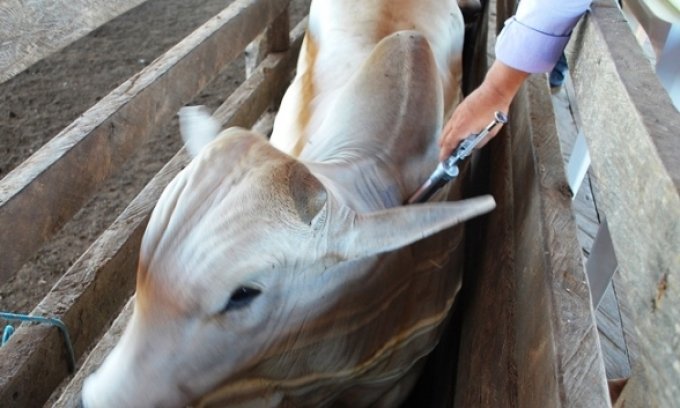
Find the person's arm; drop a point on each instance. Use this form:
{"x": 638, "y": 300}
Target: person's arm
{"x": 531, "y": 42}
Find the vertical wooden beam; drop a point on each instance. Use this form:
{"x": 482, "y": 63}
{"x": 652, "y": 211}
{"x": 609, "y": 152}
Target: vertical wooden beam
{"x": 275, "y": 38}
{"x": 278, "y": 33}
{"x": 504, "y": 10}
{"x": 529, "y": 337}
{"x": 632, "y": 130}
{"x": 580, "y": 366}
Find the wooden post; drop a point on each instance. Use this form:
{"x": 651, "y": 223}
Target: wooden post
{"x": 529, "y": 337}
{"x": 275, "y": 38}
{"x": 632, "y": 130}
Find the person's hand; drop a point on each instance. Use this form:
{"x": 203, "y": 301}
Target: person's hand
{"x": 477, "y": 110}
{"x": 471, "y": 116}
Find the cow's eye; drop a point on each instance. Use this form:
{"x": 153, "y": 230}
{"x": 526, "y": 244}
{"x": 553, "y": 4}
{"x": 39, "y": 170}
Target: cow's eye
{"x": 241, "y": 297}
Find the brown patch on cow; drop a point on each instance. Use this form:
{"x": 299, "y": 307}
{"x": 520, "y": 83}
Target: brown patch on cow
{"x": 309, "y": 195}
{"x": 308, "y": 90}
{"x": 158, "y": 294}
{"x": 661, "y": 288}
{"x": 141, "y": 297}
{"x": 385, "y": 23}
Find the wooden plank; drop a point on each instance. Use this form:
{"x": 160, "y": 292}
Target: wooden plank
{"x": 40, "y": 195}
{"x": 581, "y": 371}
{"x": 487, "y": 371}
{"x": 529, "y": 338}
{"x": 97, "y": 285}
{"x": 32, "y": 30}
{"x": 608, "y": 316}
{"x": 567, "y": 118}
{"x": 632, "y": 130}
{"x": 537, "y": 338}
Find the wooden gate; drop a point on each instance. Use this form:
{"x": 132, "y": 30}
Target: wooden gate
{"x": 528, "y": 337}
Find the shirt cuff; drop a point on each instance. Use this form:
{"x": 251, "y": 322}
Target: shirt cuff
{"x": 527, "y": 49}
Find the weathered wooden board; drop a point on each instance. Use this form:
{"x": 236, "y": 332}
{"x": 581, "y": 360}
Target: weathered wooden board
{"x": 487, "y": 371}
{"x": 98, "y": 284}
{"x": 632, "y": 131}
{"x": 581, "y": 371}
{"x": 529, "y": 336}
{"x": 40, "y": 195}
{"x": 30, "y": 30}
{"x": 488, "y": 378}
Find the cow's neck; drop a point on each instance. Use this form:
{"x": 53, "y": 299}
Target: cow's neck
{"x": 372, "y": 172}
{"x": 377, "y": 139}
{"x": 362, "y": 184}
{"x": 376, "y": 160}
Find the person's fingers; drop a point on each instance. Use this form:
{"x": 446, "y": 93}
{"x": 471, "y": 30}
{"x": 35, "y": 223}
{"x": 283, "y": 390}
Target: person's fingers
{"x": 461, "y": 124}
{"x": 447, "y": 145}
{"x": 451, "y": 139}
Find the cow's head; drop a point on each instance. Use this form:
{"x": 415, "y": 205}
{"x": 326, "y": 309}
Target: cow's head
{"x": 239, "y": 255}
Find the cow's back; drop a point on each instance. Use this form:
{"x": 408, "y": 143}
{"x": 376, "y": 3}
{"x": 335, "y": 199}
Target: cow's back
{"x": 340, "y": 36}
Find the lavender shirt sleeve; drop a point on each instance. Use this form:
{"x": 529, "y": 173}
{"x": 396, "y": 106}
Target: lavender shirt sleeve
{"x": 534, "y": 38}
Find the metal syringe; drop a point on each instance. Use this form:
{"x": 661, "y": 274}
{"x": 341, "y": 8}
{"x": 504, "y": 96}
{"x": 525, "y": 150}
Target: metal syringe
{"x": 448, "y": 169}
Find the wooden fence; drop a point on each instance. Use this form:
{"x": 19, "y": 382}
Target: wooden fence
{"x": 633, "y": 134}
{"x": 530, "y": 311}
{"x": 529, "y": 337}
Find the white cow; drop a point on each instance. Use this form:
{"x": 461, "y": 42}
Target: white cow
{"x": 280, "y": 274}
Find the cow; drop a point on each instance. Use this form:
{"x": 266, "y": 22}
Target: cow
{"x": 289, "y": 272}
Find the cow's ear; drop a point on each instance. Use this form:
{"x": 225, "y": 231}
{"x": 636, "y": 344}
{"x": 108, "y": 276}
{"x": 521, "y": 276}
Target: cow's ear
{"x": 197, "y": 128}
{"x": 394, "y": 228}
{"x": 309, "y": 195}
